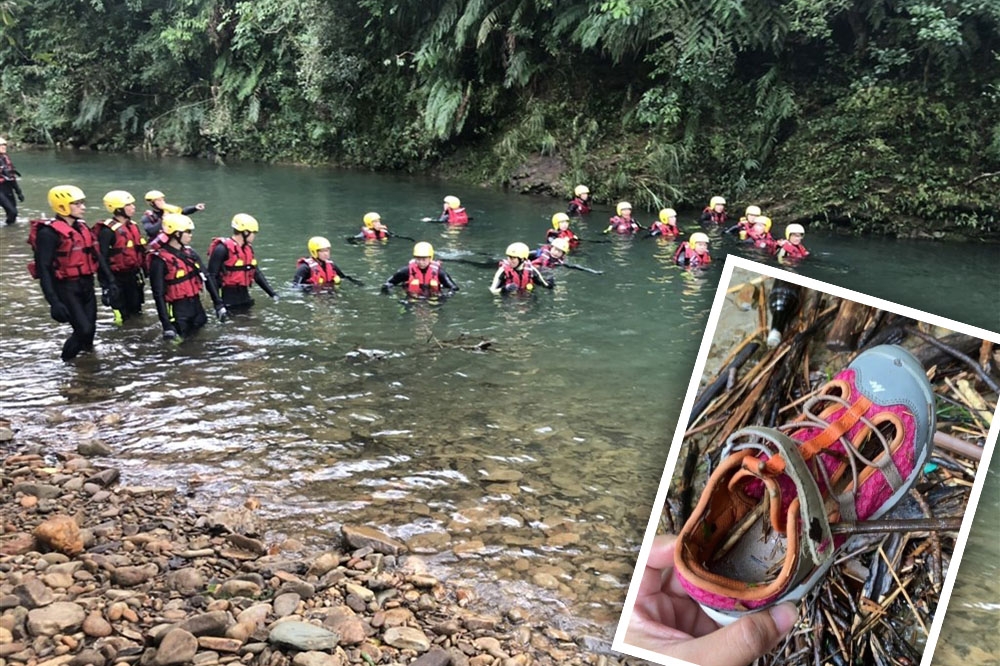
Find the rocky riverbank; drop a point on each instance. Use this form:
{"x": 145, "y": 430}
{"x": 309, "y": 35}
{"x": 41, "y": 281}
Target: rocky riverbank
{"x": 93, "y": 572}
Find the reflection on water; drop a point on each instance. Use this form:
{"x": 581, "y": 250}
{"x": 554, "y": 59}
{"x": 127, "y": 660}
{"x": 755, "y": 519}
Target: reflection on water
{"x": 513, "y": 440}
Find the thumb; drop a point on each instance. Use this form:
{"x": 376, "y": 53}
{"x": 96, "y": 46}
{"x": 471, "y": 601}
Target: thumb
{"x": 743, "y": 641}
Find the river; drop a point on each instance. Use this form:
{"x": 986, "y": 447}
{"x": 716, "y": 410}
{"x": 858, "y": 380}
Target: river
{"x": 532, "y": 463}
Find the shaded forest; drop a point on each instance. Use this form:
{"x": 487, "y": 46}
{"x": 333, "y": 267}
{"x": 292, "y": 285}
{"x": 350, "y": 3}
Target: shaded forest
{"x": 872, "y": 115}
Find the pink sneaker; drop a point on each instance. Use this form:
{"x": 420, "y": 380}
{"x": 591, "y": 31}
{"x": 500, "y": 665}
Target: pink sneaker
{"x": 760, "y": 534}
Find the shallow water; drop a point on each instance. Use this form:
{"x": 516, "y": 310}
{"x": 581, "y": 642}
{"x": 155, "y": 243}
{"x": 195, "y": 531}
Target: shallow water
{"x": 533, "y": 463}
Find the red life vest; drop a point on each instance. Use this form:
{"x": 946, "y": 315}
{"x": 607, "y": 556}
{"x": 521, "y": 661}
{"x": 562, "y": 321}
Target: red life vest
{"x": 522, "y": 278}
{"x": 240, "y": 266}
{"x": 794, "y": 251}
{"x": 7, "y": 169}
{"x": 127, "y": 253}
{"x": 183, "y": 277}
{"x": 426, "y": 281}
{"x": 666, "y": 230}
{"x": 553, "y": 234}
{"x": 582, "y": 207}
{"x": 718, "y": 218}
{"x": 622, "y": 226}
{"x": 457, "y": 216}
{"x": 762, "y": 241}
{"x": 320, "y": 272}
{"x": 545, "y": 258}
{"x": 374, "y": 234}
{"x": 76, "y": 254}
{"x": 691, "y": 256}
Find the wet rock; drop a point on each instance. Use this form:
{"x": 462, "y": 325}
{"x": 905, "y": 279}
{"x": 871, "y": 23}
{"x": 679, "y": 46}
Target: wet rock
{"x": 59, "y": 617}
{"x": 406, "y": 638}
{"x": 177, "y": 647}
{"x": 238, "y": 521}
{"x": 361, "y": 536}
{"x": 303, "y": 636}
{"x": 93, "y": 448}
{"x": 60, "y": 533}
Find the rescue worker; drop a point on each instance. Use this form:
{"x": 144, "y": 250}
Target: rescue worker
{"x": 153, "y": 218}
{"x": 453, "y": 213}
{"x": 516, "y": 274}
{"x": 694, "y": 251}
{"x": 66, "y": 260}
{"x": 233, "y": 266}
{"x": 759, "y": 236}
{"x": 9, "y": 187}
{"x": 120, "y": 242}
{"x": 316, "y": 271}
{"x": 715, "y": 212}
{"x": 423, "y": 275}
{"x": 176, "y": 281}
{"x": 666, "y": 226}
{"x": 560, "y": 229}
{"x": 551, "y": 255}
{"x": 579, "y": 205}
{"x": 622, "y": 222}
{"x": 792, "y": 247}
{"x": 372, "y": 228}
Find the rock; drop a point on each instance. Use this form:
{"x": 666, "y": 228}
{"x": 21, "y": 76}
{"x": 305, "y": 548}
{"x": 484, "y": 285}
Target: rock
{"x": 177, "y": 647}
{"x": 214, "y": 623}
{"x": 239, "y": 521}
{"x": 324, "y": 564}
{"x": 347, "y": 625}
{"x": 60, "y": 533}
{"x": 33, "y": 593}
{"x": 255, "y": 546}
{"x": 92, "y": 448}
{"x": 60, "y": 617}
{"x": 239, "y": 588}
{"x": 434, "y": 657}
{"x": 286, "y": 604}
{"x": 361, "y": 536}
{"x": 303, "y": 636}
{"x": 39, "y": 490}
{"x": 218, "y": 644}
{"x": 187, "y": 581}
{"x": 96, "y": 626}
{"x": 88, "y": 657}
{"x": 360, "y": 591}
{"x": 316, "y": 659}
{"x": 406, "y": 638}
{"x": 132, "y": 576}
{"x": 105, "y": 478}
{"x": 17, "y": 544}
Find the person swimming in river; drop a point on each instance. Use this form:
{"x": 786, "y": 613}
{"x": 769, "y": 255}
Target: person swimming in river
{"x": 759, "y": 236}
{"x": 423, "y": 276}
{"x": 622, "y": 223}
{"x": 317, "y": 272}
{"x": 152, "y": 219}
{"x": 551, "y": 255}
{"x": 560, "y": 229}
{"x": 516, "y": 274}
{"x": 453, "y": 214}
{"x": 792, "y": 248}
{"x": 665, "y": 226}
{"x": 579, "y": 205}
{"x": 715, "y": 212}
{"x": 694, "y": 251}
{"x": 372, "y": 228}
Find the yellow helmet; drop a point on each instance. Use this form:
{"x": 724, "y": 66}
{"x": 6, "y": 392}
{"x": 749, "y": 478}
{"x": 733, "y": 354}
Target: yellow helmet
{"x": 371, "y": 218}
{"x": 3, "y": 141}
{"x": 245, "y": 223}
{"x": 174, "y": 223}
{"x": 61, "y": 196}
{"x": 580, "y": 190}
{"x": 116, "y": 199}
{"x": 765, "y": 220}
{"x": 752, "y": 210}
{"x": 716, "y": 201}
{"x": 561, "y": 244}
{"x": 559, "y": 217}
{"x": 423, "y": 249}
{"x": 622, "y": 205}
{"x": 666, "y": 214}
{"x": 794, "y": 229}
{"x": 453, "y": 202}
{"x": 698, "y": 237}
{"x": 153, "y": 195}
{"x": 317, "y": 243}
{"x": 519, "y": 250}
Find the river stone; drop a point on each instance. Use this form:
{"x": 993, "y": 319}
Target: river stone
{"x": 60, "y": 533}
{"x": 187, "y": 581}
{"x": 213, "y": 623}
{"x": 434, "y": 657}
{"x": 324, "y": 563}
{"x": 361, "y": 536}
{"x": 93, "y": 448}
{"x": 60, "y": 617}
{"x": 285, "y": 604}
{"x": 360, "y": 591}
{"x": 177, "y": 647}
{"x": 96, "y": 626}
{"x": 406, "y": 638}
{"x": 105, "y": 477}
{"x": 303, "y": 636}
{"x": 239, "y": 521}
{"x": 17, "y": 544}
{"x": 345, "y": 624}
{"x": 33, "y": 593}
{"x": 217, "y": 644}
{"x": 88, "y": 657}
{"x": 239, "y": 588}
{"x": 314, "y": 658}
{"x": 39, "y": 490}
{"x": 254, "y": 615}
{"x": 132, "y": 576}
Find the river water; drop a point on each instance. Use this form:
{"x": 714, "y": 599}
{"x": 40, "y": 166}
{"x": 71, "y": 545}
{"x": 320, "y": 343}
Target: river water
{"x": 532, "y": 463}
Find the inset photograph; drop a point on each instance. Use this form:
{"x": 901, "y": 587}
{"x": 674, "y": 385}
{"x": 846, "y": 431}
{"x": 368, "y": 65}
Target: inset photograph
{"x": 819, "y": 493}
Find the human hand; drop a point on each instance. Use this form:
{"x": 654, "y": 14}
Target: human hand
{"x": 106, "y": 297}
{"x": 59, "y": 312}
{"x": 668, "y": 621}
{"x": 199, "y": 206}
{"x": 20, "y": 196}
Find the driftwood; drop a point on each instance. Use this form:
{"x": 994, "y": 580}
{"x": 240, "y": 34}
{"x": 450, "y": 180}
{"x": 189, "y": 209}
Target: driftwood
{"x": 721, "y": 381}
{"x": 850, "y": 321}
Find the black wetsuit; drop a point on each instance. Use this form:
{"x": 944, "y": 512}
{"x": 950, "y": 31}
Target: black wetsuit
{"x": 235, "y": 297}
{"x": 152, "y": 220}
{"x": 9, "y": 188}
{"x": 185, "y": 315}
{"x": 130, "y": 284}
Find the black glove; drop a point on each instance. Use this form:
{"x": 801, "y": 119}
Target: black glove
{"x": 59, "y": 312}
{"x": 106, "y": 296}
{"x": 385, "y": 289}
{"x": 20, "y": 196}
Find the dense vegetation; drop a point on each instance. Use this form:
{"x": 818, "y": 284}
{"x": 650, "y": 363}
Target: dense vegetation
{"x": 880, "y": 114}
